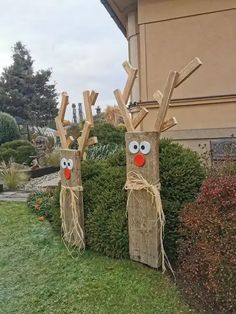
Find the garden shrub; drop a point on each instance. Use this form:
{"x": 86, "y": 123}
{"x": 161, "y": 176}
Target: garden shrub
{"x": 105, "y": 199}
{"x": 105, "y": 208}
{"x": 8, "y": 128}
{"x": 46, "y": 205}
{"x": 108, "y": 133}
{"x": 52, "y": 159}
{"x": 180, "y": 182}
{"x": 207, "y": 251}
{"x": 181, "y": 172}
{"x": 20, "y": 151}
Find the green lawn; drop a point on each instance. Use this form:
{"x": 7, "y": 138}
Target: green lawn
{"x": 38, "y": 275}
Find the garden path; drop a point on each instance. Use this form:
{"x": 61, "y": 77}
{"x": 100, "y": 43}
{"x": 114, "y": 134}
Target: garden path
{"x": 14, "y": 196}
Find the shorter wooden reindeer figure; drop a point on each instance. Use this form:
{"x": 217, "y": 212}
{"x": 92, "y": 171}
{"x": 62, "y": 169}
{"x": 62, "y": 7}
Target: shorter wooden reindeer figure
{"x": 71, "y": 197}
{"x": 145, "y": 214}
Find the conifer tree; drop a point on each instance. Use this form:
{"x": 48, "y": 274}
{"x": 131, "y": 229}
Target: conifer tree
{"x": 26, "y": 94}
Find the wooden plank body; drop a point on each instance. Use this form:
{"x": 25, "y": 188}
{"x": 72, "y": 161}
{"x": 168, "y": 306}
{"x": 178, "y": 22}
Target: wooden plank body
{"x": 75, "y": 184}
{"x": 144, "y": 230}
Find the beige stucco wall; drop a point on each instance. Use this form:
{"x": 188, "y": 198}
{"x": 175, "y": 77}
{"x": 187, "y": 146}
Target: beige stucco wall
{"x": 198, "y": 124}
{"x": 195, "y": 114}
{"x": 172, "y": 44}
{"x": 165, "y": 35}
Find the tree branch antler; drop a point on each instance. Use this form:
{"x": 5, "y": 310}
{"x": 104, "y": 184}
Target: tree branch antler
{"x": 60, "y": 122}
{"x": 122, "y": 99}
{"x": 173, "y": 81}
{"x": 84, "y": 140}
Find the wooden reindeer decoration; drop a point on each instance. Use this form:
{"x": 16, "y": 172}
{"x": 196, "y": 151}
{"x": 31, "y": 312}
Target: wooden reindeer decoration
{"x": 71, "y": 197}
{"x": 145, "y": 214}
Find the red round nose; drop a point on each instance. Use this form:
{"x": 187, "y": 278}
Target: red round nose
{"x": 139, "y": 160}
{"x": 67, "y": 173}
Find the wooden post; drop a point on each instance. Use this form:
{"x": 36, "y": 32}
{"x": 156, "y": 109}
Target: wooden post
{"x": 145, "y": 214}
{"x": 144, "y": 229}
{"x": 72, "y": 198}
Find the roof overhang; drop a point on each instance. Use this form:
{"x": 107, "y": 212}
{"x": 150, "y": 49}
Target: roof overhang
{"x": 119, "y": 10}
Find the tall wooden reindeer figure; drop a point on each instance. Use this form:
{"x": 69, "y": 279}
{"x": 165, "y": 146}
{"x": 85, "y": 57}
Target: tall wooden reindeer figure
{"x": 71, "y": 197}
{"x": 145, "y": 214}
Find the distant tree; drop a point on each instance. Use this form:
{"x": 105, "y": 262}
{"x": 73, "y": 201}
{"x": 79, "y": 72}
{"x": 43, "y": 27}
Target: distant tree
{"x": 26, "y": 94}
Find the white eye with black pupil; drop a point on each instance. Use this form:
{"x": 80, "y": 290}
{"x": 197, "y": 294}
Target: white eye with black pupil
{"x": 133, "y": 147}
{"x": 63, "y": 163}
{"x": 70, "y": 164}
{"x": 145, "y": 147}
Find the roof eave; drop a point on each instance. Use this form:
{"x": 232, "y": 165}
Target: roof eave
{"x": 114, "y": 17}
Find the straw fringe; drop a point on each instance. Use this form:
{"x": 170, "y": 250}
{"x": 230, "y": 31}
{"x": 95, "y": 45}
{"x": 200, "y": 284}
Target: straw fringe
{"x": 136, "y": 182}
{"x": 72, "y": 233}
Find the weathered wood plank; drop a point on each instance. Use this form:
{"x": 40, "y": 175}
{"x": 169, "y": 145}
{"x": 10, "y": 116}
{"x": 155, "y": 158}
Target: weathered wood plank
{"x": 144, "y": 231}
{"x": 191, "y": 67}
{"x": 168, "y": 91}
{"x": 73, "y": 183}
{"x": 139, "y": 117}
{"x": 168, "y": 124}
{"x": 124, "y": 110}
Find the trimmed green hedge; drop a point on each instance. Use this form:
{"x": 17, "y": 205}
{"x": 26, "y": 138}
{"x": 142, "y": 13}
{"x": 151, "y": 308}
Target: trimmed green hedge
{"x": 105, "y": 198}
{"x": 20, "y": 151}
{"x": 108, "y": 133}
{"x": 8, "y": 128}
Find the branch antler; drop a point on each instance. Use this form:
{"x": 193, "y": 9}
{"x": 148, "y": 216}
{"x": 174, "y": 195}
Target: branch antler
{"x": 173, "y": 81}
{"x": 61, "y": 123}
{"x": 84, "y": 140}
{"x": 122, "y": 99}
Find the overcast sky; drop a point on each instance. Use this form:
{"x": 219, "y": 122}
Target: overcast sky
{"x": 76, "y": 38}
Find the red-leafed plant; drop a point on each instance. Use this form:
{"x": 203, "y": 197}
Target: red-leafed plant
{"x": 207, "y": 260}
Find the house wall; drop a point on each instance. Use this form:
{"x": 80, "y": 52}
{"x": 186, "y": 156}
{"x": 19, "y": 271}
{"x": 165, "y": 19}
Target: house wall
{"x": 166, "y": 35}
{"x": 170, "y": 44}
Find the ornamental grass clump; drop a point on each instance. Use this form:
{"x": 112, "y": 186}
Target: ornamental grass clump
{"x": 12, "y": 174}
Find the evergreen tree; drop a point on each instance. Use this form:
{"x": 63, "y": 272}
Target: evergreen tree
{"x": 26, "y": 94}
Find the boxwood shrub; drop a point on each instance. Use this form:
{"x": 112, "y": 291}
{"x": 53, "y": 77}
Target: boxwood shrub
{"x": 105, "y": 199}
{"x": 181, "y": 175}
{"x": 20, "y": 151}
{"x": 8, "y": 128}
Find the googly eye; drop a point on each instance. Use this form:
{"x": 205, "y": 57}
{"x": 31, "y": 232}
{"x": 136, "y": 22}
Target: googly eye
{"x": 145, "y": 147}
{"x": 63, "y": 163}
{"x": 70, "y": 164}
{"x": 133, "y": 147}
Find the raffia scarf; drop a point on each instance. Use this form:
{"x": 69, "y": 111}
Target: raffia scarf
{"x": 72, "y": 232}
{"x": 136, "y": 182}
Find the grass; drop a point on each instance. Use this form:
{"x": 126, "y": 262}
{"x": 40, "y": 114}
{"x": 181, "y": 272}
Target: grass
{"x": 38, "y": 275}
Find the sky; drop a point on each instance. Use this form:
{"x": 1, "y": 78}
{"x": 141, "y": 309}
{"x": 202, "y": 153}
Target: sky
{"x": 77, "y": 39}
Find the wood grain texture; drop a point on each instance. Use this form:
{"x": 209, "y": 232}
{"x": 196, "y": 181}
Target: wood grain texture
{"x": 83, "y": 140}
{"x": 87, "y": 107}
{"x": 75, "y": 181}
{"x": 168, "y": 124}
{"x": 60, "y": 119}
{"x": 132, "y": 73}
{"x": 144, "y": 231}
{"x": 61, "y": 133}
{"x": 64, "y": 104}
{"x": 139, "y": 117}
{"x": 93, "y": 97}
{"x": 191, "y": 67}
{"x": 124, "y": 111}
{"x": 168, "y": 91}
